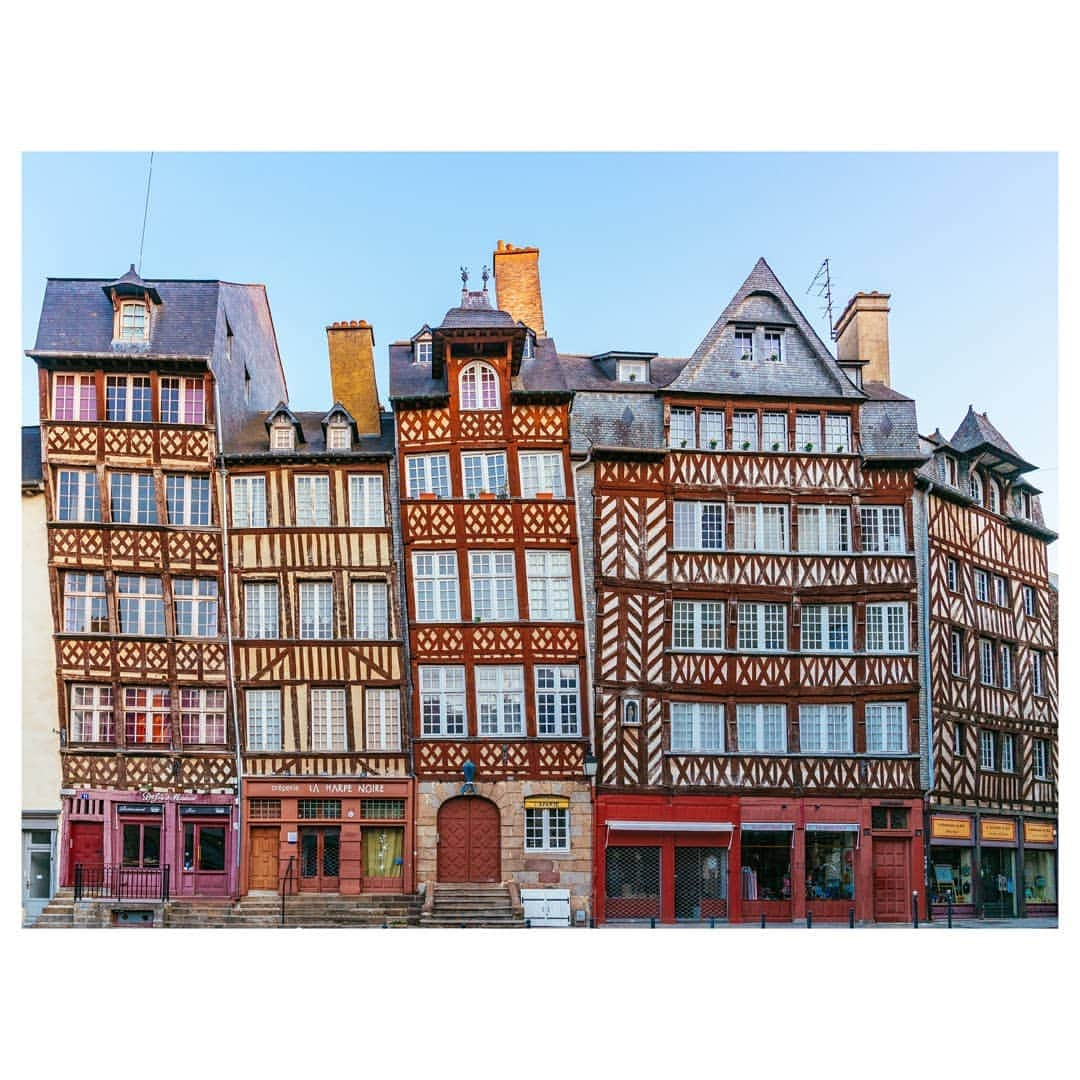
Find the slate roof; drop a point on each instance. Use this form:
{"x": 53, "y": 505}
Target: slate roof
{"x": 475, "y": 317}
{"x": 413, "y": 380}
{"x": 31, "y": 455}
{"x": 616, "y": 419}
{"x": 976, "y": 431}
{"x": 251, "y": 439}
{"x": 807, "y": 369}
{"x": 592, "y": 373}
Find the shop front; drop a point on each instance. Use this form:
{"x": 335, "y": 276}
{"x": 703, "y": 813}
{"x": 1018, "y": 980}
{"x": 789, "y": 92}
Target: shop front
{"x": 348, "y": 837}
{"x": 998, "y": 839}
{"x": 952, "y": 857}
{"x": 1040, "y": 867}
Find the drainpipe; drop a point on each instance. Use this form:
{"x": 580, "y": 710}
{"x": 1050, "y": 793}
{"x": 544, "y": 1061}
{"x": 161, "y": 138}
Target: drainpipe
{"x": 922, "y": 499}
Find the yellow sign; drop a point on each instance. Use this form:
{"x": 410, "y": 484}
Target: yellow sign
{"x": 546, "y": 802}
{"x": 1038, "y": 832}
{"x": 996, "y": 829}
{"x": 950, "y": 828}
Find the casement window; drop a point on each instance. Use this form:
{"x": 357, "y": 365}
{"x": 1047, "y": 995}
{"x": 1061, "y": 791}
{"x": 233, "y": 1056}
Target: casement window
{"x": 74, "y": 397}
{"x": 744, "y": 344}
{"x": 1040, "y": 759}
{"x": 86, "y": 609}
{"x": 887, "y": 628}
{"x": 1008, "y": 753}
{"x": 128, "y": 398}
{"x": 986, "y": 662}
{"x": 773, "y": 346}
{"x": 1038, "y": 687}
{"x": 762, "y": 729}
{"x": 541, "y": 472}
{"x": 316, "y": 609}
{"x": 196, "y": 604}
{"x": 1005, "y": 655}
{"x": 263, "y": 708}
{"x": 1001, "y": 591}
{"x": 187, "y": 499}
{"x": 837, "y": 434}
{"x": 328, "y": 719}
{"x": 744, "y": 431}
{"x": 312, "y": 500}
{"x": 77, "y": 495}
{"x": 774, "y": 431}
{"x": 435, "y": 586}
{"x": 366, "y": 500}
{"x": 975, "y": 486}
{"x": 261, "y": 609}
{"x": 986, "y": 751}
{"x": 382, "y": 719}
{"x": 1029, "y": 601}
{"x": 484, "y": 472}
{"x": 547, "y": 829}
{"x": 133, "y": 324}
{"x": 697, "y": 727}
{"x": 886, "y": 728}
{"x": 479, "y": 386}
{"x": 339, "y": 435}
{"x": 1022, "y": 505}
{"x": 982, "y": 585}
{"x": 712, "y": 429}
{"x": 882, "y": 528}
{"x": 697, "y": 624}
{"x": 995, "y": 497}
{"x": 762, "y": 627}
{"x": 427, "y": 474}
{"x": 760, "y": 527}
{"x": 550, "y": 591}
{"x": 699, "y": 526}
{"x": 826, "y": 729}
{"x": 626, "y": 370}
{"x": 947, "y": 469}
{"x": 371, "y": 610}
{"x": 956, "y": 651}
{"x": 202, "y": 716}
{"x": 824, "y": 529}
{"x": 131, "y": 498}
{"x": 493, "y": 583}
{"x": 826, "y": 628}
{"x": 140, "y": 605}
{"x": 422, "y": 352}
{"x": 249, "y": 502}
{"x": 500, "y": 700}
{"x": 681, "y": 429}
{"x": 146, "y": 715}
{"x": 959, "y": 740}
{"x": 808, "y": 432}
{"x": 92, "y": 714}
{"x": 557, "y": 702}
{"x": 282, "y": 435}
{"x": 182, "y": 401}
{"x": 140, "y": 845}
{"x": 442, "y": 700}
{"x": 952, "y": 575}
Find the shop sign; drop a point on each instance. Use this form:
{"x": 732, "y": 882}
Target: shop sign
{"x": 328, "y": 789}
{"x": 1038, "y": 832}
{"x": 950, "y": 828}
{"x": 142, "y": 809}
{"x": 547, "y": 802}
{"x": 205, "y": 811}
{"x": 165, "y": 796}
{"x": 996, "y": 829}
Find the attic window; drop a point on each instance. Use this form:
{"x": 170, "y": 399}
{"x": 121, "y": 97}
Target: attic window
{"x": 633, "y": 371}
{"x": 773, "y": 340}
{"x": 975, "y": 487}
{"x": 282, "y": 436}
{"x": 744, "y": 344}
{"x": 133, "y": 322}
{"x": 527, "y": 348}
{"x": 338, "y": 435}
{"x": 422, "y": 352}
{"x": 1022, "y": 504}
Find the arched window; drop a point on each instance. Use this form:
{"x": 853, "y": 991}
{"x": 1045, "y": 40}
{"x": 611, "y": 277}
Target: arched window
{"x": 479, "y": 386}
{"x": 975, "y": 487}
{"x": 995, "y": 498}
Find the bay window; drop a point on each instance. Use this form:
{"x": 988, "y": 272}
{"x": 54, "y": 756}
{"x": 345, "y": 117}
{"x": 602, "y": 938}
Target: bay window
{"x": 500, "y": 700}
{"x": 697, "y": 727}
{"x": 550, "y": 589}
{"x": 762, "y": 729}
{"x": 435, "y": 586}
{"x": 493, "y": 584}
{"x": 886, "y": 728}
{"x": 442, "y": 700}
{"x": 557, "y": 703}
{"x": 427, "y": 474}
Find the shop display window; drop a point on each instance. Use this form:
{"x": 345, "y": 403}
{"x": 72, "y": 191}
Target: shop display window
{"x": 382, "y": 852}
{"x": 142, "y": 845}
{"x": 766, "y": 865}
{"x": 950, "y": 875}
{"x": 830, "y": 865}
{"x": 997, "y": 882}
{"x": 1040, "y": 885}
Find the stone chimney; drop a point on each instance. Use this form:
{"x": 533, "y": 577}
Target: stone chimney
{"x": 352, "y": 372}
{"x": 862, "y": 335}
{"x": 517, "y": 285}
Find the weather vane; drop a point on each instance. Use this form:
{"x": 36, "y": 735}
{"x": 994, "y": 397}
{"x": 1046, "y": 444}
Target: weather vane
{"x": 464, "y": 277}
{"x": 484, "y": 277}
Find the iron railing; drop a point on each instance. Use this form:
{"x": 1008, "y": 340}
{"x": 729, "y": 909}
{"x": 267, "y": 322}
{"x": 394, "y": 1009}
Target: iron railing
{"x": 121, "y": 882}
{"x": 287, "y": 880}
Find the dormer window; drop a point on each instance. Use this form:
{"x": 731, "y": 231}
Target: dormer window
{"x": 133, "y": 321}
{"x": 527, "y": 348}
{"x": 633, "y": 371}
{"x": 773, "y": 340}
{"x": 1022, "y": 505}
{"x": 422, "y": 351}
{"x": 479, "y": 386}
{"x": 744, "y": 344}
{"x": 338, "y": 436}
{"x": 995, "y": 498}
{"x": 975, "y": 487}
{"x": 282, "y": 436}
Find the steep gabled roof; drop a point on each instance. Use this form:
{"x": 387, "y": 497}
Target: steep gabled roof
{"x": 281, "y": 409}
{"x": 977, "y": 435}
{"x": 807, "y": 368}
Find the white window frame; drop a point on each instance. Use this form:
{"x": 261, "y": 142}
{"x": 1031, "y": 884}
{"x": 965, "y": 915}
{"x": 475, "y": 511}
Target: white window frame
{"x": 85, "y": 603}
{"x": 887, "y": 628}
{"x": 142, "y": 600}
{"x": 488, "y": 466}
{"x": 761, "y": 512}
{"x": 249, "y": 502}
{"x": 756, "y": 622}
{"x": 1001, "y": 591}
{"x": 315, "y": 610}
{"x": 120, "y": 399}
{"x": 91, "y": 714}
{"x": 774, "y": 430}
{"x": 807, "y": 433}
{"x": 689, "y": 531}
{"x": 262, "y": 619}
{"x": 329, "y": 719}
{"x": 952, "y": 575}
{"x": 203, "y": 708}
{"x": 339, "y": 435}
{"x": 436, "y": 586}
{"x": 371, "y": 609}
{"x": 744, "y": 343}
{"x": 681, "y": 429}
{"x": 757, "y": 727}
{"x": 447, "y": 696}
{"x": 1040, "y": 759}
{"x": 987, "y": 755}
{"x": 995, "y": 496}
{"x": 83, "y": 396}
{"x": 824, "y": 530}
{"x": 422, "y": 476}
{"x": 697, "y": 727}
{"x": 956, "y": 652}
{"x": 479, "y": 387}
{"x": 1030, "y": 606}
{"x": 712, "y": 423}
{"x": 959, "y": 745}
{"x": 181, "y": 505}
{"x": 826, "y": 729}
{"x": 975, "y": 487}
{"x": 744, "y": 431}
{"x": 886, "y": 727}
{"x": 133, "y": 321}
{"x": 1008, "y": 752}
{"x": 311, "y": 500}
{"x": 882, "y": 529}
{"x": 146, "y": 709}
{"x": 422, "y": 351}
{"x": 837, "y": 433}
{"x": 632, "y": 371}
{"x": 698, "y": 617}
{"x": 366, "y": 507}
{"x": 818, "y": 621}
{"x": 982, "y": 585}
{"x": 77, "y": 496}
{"x": 493, "y": 586}
{"x": 549, "y": 826}
{"x": 500, "y": 694}
{"x": 550, "y": 585}
{"x": 541, "y": 471}
{"x": 1022, "y": 505}
{"x": 262, "y": 716}
{"x": 282, "y": 435}
{"x": 558, "y": 700}
{"x": 1005, "y": 662}
{"x": 986, "y": 662}
{"x": 1038, "y": 680}
{"x": 189, "y": 404}
{"x": 197, "y": 599}
{"x": 382, "y": 719}
{"x": 774, "y": 338}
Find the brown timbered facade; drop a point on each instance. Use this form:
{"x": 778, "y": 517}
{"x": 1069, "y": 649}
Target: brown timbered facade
{"x": 992, "y": 643}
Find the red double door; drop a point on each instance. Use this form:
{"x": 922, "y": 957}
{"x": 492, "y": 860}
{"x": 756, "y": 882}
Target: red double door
{"x": 469, "y": 840}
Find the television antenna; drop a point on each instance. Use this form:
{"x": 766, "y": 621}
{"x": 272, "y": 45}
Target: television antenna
{"x": 146, "y": 212}
{"x": 822, "y": 283}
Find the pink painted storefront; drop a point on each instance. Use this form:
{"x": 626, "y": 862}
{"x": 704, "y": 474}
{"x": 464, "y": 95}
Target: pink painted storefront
{"x": 195, "y": 836}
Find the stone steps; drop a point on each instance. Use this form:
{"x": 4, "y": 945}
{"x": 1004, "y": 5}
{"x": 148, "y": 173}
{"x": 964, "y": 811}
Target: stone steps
{"x": 457, "y": 905}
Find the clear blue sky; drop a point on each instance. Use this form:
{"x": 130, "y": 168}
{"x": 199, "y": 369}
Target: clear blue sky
{"x": 638, "y": 251}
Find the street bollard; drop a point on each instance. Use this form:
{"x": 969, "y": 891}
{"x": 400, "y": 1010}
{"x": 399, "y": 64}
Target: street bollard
{"x": 915, "y": 909}
{"x": 712, "y": 923}
{"x": 948, "y": 909}
{"x": 851, "y": 918}
{"x": 809, "y": 920}
{"x": 592, "y": 923}
{"x": 528, "y": 923}
{"x": 763, "y": 920}
{"x": 652, "y": 922}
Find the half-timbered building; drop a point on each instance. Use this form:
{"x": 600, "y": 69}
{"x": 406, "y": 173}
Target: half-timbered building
{"x": 991, "y": 616}
{"x": 138, "y": 381}
{"x": 317, "y": 639}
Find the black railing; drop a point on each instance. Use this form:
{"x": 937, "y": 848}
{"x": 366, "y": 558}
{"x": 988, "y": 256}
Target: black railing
{"x": 121, "y": 882}
{"x": 287, "y": 881}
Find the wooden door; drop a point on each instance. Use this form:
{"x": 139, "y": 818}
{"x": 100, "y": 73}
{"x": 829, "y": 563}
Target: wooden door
{"x": 892, "y": 895}
{"x": 86, "y": 845}
{"x": 469, "y": 840}
{"x": 320, "y": 856}
{"x": 263, "y": 858}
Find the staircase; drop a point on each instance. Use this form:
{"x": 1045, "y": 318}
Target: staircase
{"x": 472, "y": 905}
{"x": 322, "y": 910}
{"x": 58, "y": 912}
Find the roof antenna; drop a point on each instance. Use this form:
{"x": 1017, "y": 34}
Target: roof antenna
{"x": 145, "y": 213}
{"x": 823, "y": 283}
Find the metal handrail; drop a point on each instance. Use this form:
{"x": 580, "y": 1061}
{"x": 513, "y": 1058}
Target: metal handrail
{"x": 121, "y": 882}
{"x": 286, "y": 880}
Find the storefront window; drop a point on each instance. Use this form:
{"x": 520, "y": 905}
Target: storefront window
{"x": 206, "y": 840}
{"x": 997, "y": 881}
{"x": 382, "y": 852}
{"x": 1040, "y": 886}
{"x": 632, "y": 878}
{"x": 766, "y": 865}
{"x": 950, "y": 875}
{"x": 888, "y": 817}
{"x": 142, "y": 845}
{"x": 830, "y": 865}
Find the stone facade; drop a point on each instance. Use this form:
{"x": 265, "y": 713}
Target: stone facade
{"x": 517, "y": 285}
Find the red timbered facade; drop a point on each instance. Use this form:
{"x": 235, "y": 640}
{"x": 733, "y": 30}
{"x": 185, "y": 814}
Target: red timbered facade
{"x": 992, "y": 623}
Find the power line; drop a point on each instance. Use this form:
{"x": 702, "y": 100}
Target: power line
{"x": 146, "y": 212}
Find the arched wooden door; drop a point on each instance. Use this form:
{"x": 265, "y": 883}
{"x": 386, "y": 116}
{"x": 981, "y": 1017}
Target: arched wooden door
{"x": 469, "y": 840}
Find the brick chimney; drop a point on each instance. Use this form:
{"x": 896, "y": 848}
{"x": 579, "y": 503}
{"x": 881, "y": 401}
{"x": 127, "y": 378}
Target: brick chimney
{"x": 862, "y": 335}
{"x": 517, "y": 285}
{"x": 352, "y": 372}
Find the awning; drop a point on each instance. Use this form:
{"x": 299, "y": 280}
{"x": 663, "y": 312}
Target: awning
{"x": 829, "y": 826}
{"x": 768, "y": 826}
{"x": 671, "y": 826}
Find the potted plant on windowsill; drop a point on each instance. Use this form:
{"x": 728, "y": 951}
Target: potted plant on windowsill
{"x": 483, "y": 493}
{"x": 776, "y": 447}
{"x": 839, "y": 449}
{"x": 712, "y": 444}
{"x": 809, "y": 447}
{"x": 745, "y": 356}
{"x": 773, "y": 357}
{"x": 682, "y": 444}
{"x": 746, "y": 445}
